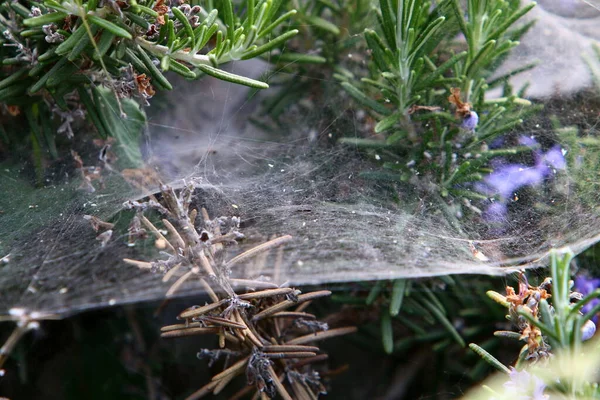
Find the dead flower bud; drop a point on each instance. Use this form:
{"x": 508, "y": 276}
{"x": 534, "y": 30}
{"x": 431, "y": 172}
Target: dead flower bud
{"x": 257, "y": 373}
{"x": 97, "y": 223}
{"x": 52, "y": 36}
{"x": 104, "y": 237}
{"x": 161, "y": 8}
{"x": 144, "y": 87}
{"x": 152, "y": 32}
{"x": 136, "y": 231}
{"x": 88, "y": 174}
{"x": 35, "y": 12}
{"x": 13, "y": 111}
{"x": 462, "y": 109}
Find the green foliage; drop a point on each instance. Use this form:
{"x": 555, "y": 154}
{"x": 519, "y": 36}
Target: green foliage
{"x": 413, "y": 312}
{"x": 61, "y": 59}
{"x": 420, "y": 72}
{"x": 548, "y": 324}
{"x": 328, "y": 45}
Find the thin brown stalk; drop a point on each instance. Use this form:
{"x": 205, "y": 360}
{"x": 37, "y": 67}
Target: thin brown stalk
{"x": 193, "y": 215}
{"x": 303, "y": 306}
{"x": 294, "y": 354}
{"x": 277, "y": 326}
{"x": 156, "y": 232}
{"x": 178, "y": 239}
{"x": 222, "y": 339}
{"x": 202, "y": 310}
{"x": 205, "y": 216}
{"x": 266, "y": 293}
{"x": 139, "y": 264}
{"x": 171, "y": 272}
{"x": 13, "y": 339}
{"x": 234, "y": 370}
{"x": 203, "y": 391}
{"x": 317, "y": 336}
{"x": 293, "y": 314}
{"x": 247, "y": 332}
{"x": 228, "y": 237}
{"x": 179, "y": 282}
{"x": 258, "y": 249}
{"x": 209, "y": 290}
{"x": 242, "y": 393}
{"x": 180, "y": 326}
{"x": 289, "y": 303}
{"x": 222, "y": 383}
{"x": 280, "y": 388}
{"x": 97, "y": 223}
{"x": 205, "y": 263}
{"x": 223, "y": 322}
{"x": 248, "y": 283}
{"x": 285, "y": 348}
{"x": 306, "y": 361}
{"x": 231, "y": 338}
{"x": 189, "y": 332}
{"x": 241, "y": 336}
{"x": 301, "y": 392}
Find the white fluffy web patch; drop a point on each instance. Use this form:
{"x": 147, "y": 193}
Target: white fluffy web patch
{"x": 345, "y": 227}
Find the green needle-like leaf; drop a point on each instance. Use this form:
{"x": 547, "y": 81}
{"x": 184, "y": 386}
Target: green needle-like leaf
{"x": 387, "y": 333}
{"x": 45, "y": 19}
{"x": 398, "y": 291}
{"x": 109, "y": 26}
{"x": 493, "y": 361}
{"x": 270, "y": 45}
{"x": 228, "y": 76}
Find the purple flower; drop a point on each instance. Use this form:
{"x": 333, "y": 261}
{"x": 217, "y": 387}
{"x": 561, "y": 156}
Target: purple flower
{"x": 495, "y": 212}
{"x": 585, "y": 286}
{"x": 470, "y": 121}
{"x": 588, "y": 330}
{"x": 497, "y": 143}
{"x": 505, "y": 181}
{"x": 524, "y": 386}
{"x": 508, "y": 178}
{"x": 528, "y": 141}
{"x": 555, "y": 158}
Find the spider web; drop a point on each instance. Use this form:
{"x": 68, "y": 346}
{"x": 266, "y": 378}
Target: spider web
{"x": 291, "y": 181}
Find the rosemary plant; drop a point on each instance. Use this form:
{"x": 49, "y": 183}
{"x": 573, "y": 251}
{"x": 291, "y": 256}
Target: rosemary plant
{"x": 66, "y": 59}
{"x": 328, "y": 44}
{"x": 549, "y": 320}
{"x": 420, "y": 71}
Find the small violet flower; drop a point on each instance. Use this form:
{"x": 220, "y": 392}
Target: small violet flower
{"x": 508, "y": 178}
{"x": 585, "y": 286}
{"x": 495, "y": 212}
{"x": 470, "y": 121}
{"x": 524, "y": 386}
